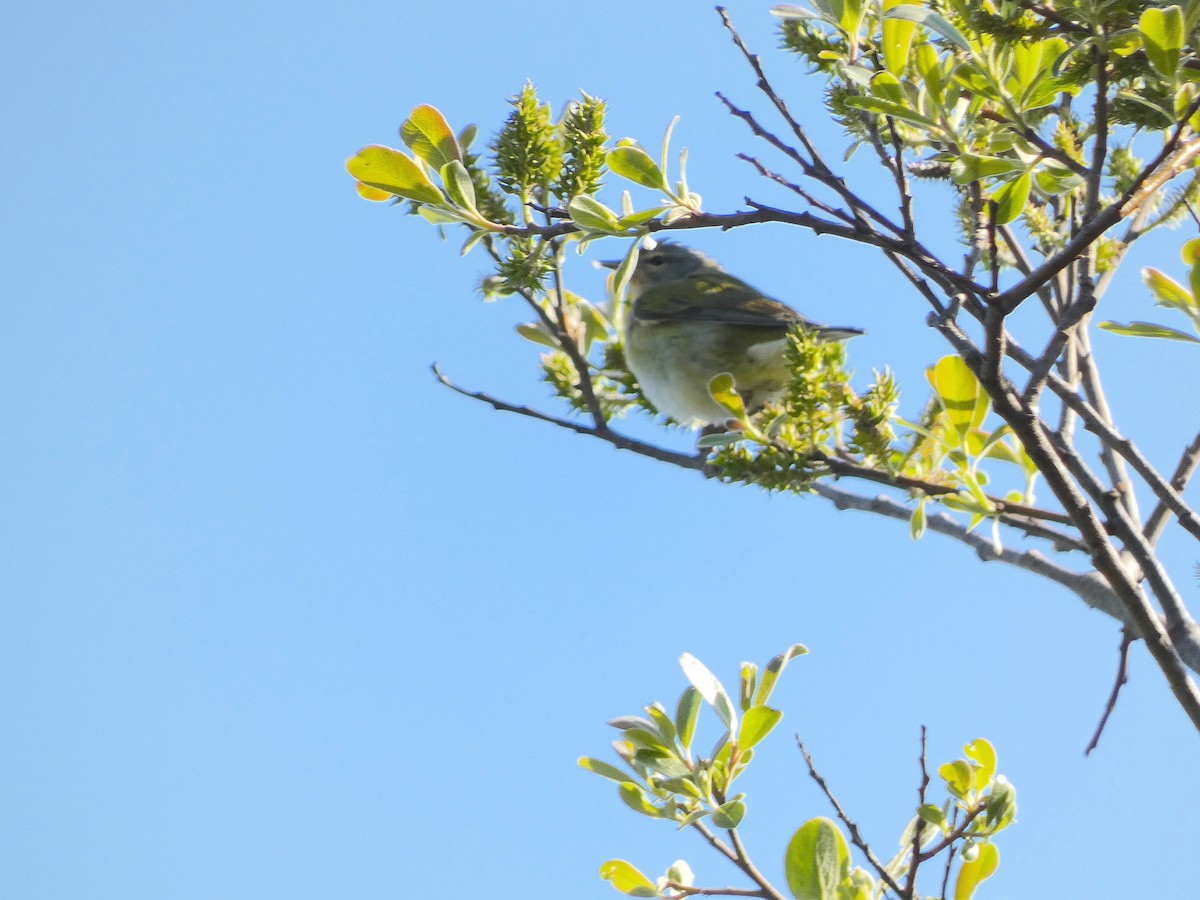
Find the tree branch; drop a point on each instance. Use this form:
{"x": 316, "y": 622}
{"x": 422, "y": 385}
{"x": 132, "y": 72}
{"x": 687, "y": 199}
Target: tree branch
{"x": 1122, "y": 678}
{"x": 855, "y": 837}
{"x": 1183, "y": 472}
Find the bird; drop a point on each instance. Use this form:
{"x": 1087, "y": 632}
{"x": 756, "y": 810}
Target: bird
{"x": 690, "y": 320}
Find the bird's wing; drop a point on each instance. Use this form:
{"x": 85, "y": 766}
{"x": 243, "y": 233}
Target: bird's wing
{"x": 713, "y": 297}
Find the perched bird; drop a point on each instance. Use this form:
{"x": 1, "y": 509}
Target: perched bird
{"x": 690, "y": 320}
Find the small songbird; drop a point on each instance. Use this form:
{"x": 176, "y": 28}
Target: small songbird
{"x": 690, "y": 320}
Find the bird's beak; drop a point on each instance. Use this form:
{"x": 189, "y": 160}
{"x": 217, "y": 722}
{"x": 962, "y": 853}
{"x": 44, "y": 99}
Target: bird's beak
{"x": 609, "y": 263}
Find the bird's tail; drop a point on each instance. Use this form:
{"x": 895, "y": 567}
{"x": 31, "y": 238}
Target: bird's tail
{"x": 836, "y": 333}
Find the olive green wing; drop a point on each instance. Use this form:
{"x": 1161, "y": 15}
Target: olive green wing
{"x": 713, "y": 297}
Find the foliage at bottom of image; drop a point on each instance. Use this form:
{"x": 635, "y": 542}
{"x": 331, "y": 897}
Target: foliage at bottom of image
{"x": 665, "y": 778}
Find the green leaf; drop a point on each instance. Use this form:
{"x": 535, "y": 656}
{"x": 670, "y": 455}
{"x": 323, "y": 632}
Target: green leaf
{"x": 973, "y": 872}
{"x": 1149, "y": 330}
{"x": 981, "y": 751}
{"x": 816, "y": 861}
{"x": 916, "y": 524}
{"x": 627, "y": 879}
{"x": 934, "y": 815}
{"x": 792, "y": 11}
{"x": 1027, "y": 62}
{"x": 459, "y": 186}
{"x": 895, "y": 110}
{"x": 1001, "y": 806}
{"x": 959, "y": 777}
{"x": 910, "y": 13}
{"x": 773, "y": 670}
{"x": 427, "y": 134}
{"x": 641, "y": 217}
{"x": 1162, "y": 36}
{"x": 1054, "y": 179}
{"x": 1191, "y": 255}
{"x": 644, "y": 739}
{"x": 635, "y": 798}
{"x": 724, "y": 391}
{"x": 663, "y": 723}
{"x": 968, "y": 167}
{"x": 757, "y": 723}
{"x": 929, "y": 67}
{"x": 749, "y": 678}
{"x": 886, "y": 86}
{"x": 1011, "y": 199}
{"x": 681, "y": 873}
{"x": 603, "y": 769}
{"x": 710, "y": 689}
{"x": 390, "y": 170}
{"x": 635, "y": 164}
{"x": 442, "y": 215}
{"x": 897, "y": 41}
{"x": 683, "y": 784}
{"x": 729, "y": 815}
{"x": 686, "y": 713}
{"x": 723, "y": 439}
{"x": 592, "y": 215}
{"x": 959, "y": 392}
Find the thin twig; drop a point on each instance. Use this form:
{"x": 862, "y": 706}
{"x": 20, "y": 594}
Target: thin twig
{"x": 1122, "y": 678}
{"x": 796, "y": 189}
{"x": 1114, "y": 463}
{"x": 910, "y": 881}
{"x": 855, "y": 837}
{"x": 606, "y": 434}
{"x": 1161, "y": 513}
{"x": 690, "y": 891}
{"x": 744, "y": 863}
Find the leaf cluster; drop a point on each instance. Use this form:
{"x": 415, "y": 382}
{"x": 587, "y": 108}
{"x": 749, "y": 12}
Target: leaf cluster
{"x": 664, "y": 776}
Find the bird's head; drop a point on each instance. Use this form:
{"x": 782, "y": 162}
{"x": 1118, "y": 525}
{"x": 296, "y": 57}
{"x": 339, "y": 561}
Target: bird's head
{"x": 664, "y": 263}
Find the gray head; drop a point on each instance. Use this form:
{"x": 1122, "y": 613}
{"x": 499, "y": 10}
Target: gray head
{"x": 665, "y": 263}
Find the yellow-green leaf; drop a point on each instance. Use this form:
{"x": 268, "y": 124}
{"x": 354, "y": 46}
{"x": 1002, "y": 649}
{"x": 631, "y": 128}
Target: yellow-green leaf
{"x": 1191, "y": 256}
{"x": 627, "y": 879}
{"x": 390, "y": 170}
{"x": 757, "y": 723}
{"x": 982, "y": 752}
{"x": 897, "y": 40}
{"x": 369, "y": 193}
{"x": 428, "y": 135}
{"x": 1149, "y": 330}
{"x": 635, "y": 164}
{"x": 959, "y": 392}
{"x": 458, "y": 184}
{"x": 886, "y": 86}
{"x": 724, "y": 391}
{"x": 1011, "y": 199}
{"x": 973, "y": 872}
{"x": 816, "y": 861}
{"x": 959, "y": 777}
{"x": 590, "y": 214}
{"x": 1166, "y": 290}
{"x": 1162, "y": 36}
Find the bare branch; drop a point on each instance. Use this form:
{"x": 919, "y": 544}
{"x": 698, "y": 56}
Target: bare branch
{"x": 855, "y": 837}
{"x": 1122, "y": 678}
{"x": 1031, "y": 431}
{"x": 1107, "y": 433}
{"x": 604, "y": 433}
{"x": 1183, "y": 472}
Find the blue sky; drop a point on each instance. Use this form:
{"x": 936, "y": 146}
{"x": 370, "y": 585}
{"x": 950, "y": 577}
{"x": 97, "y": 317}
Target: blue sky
{"x": 284, "y": 618}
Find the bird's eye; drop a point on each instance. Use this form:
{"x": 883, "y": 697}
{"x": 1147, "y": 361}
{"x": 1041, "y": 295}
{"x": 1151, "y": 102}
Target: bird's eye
{"x": 654, "y": 260}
